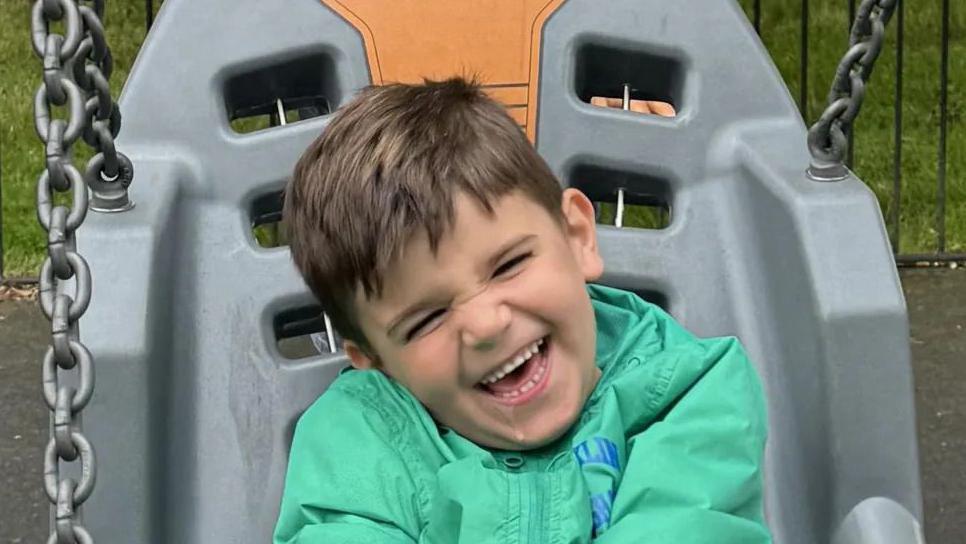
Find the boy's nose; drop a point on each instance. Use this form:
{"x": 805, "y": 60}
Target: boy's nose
{"x": 484, "y": 324}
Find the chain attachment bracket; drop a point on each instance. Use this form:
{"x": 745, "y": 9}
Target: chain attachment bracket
{"x": 110, "y": 192}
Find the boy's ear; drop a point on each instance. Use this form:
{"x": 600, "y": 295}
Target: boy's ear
{"x": 581, "y": 230}
{"x": 358, "y": 356}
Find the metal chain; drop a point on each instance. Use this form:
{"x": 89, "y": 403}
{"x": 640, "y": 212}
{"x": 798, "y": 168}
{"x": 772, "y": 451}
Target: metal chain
{"x": 76, "y": 68}
{"x": 828, "y": 138}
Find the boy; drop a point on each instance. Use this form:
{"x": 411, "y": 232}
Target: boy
{"x": 495, "y": 395}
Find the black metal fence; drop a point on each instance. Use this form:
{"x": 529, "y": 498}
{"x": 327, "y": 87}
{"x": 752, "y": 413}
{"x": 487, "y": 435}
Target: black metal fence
{"x": 1, "y": 221}
{"x": 893, "y": 214}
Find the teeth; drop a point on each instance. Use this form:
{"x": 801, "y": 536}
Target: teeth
{"x": 531, "y": 383}
{"x": 515, "y": 362}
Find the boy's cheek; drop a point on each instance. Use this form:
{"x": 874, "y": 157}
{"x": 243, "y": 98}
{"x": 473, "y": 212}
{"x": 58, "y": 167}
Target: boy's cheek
{"x": 430, "y": 364}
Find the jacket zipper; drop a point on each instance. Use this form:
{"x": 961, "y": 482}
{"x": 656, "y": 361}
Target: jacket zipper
{"x": 536, "y": 511}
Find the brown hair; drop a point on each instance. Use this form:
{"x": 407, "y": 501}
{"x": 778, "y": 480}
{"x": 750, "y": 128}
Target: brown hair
{"x": 391, "y": 161}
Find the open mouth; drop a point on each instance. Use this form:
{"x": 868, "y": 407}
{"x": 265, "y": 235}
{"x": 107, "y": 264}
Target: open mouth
{"x": 520, "y": 380}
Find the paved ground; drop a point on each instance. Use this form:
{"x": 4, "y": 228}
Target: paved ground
{"x": 937, "y": 316}
{"x": 937, "y": 311}
{"x": 23, "y": 424}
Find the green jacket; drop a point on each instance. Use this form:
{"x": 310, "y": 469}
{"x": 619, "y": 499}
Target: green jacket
{"x": 667, "y": 449}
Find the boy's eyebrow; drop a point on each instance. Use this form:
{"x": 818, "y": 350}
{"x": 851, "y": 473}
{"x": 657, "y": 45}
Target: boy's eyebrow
{"x": 509, "y": 246}
{"x": 490, "y": 263}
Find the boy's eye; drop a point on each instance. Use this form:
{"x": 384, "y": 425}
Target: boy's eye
{"x": 511, "y": 264}
{"x": 423, "y": 323}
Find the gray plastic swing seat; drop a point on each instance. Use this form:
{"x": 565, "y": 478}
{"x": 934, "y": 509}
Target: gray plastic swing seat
{"x": 195, "y": 403}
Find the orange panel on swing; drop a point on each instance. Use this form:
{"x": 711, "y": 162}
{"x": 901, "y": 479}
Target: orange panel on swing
{"x": 498, "y": 41}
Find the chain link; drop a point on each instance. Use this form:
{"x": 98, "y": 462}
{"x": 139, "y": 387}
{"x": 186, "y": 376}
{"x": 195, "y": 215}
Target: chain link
{"x": 828, "y": 138}
{"x": 77, "y": 66}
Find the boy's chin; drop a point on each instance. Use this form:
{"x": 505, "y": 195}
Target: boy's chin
{"x": 535, "y": 442}
{"x": 536, "y": 434}
{"x": 537, "y": 430}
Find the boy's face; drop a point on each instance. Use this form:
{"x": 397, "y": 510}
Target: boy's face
{"x": 449, "y": 326}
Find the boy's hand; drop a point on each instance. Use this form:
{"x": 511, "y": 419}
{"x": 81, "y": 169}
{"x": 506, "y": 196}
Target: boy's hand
{"x": 653, "y": 107}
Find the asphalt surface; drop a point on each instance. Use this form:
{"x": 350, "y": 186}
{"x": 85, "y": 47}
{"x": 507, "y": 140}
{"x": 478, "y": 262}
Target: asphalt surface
{"x": 937, "y": 314}
{"x": 23, "y": 424}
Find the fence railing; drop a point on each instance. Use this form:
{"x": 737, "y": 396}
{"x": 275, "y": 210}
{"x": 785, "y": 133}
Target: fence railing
{"x": 892, "y": 213}
{"x": 1, "y": 221}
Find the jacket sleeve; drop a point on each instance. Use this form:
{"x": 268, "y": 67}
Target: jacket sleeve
{"x": 345, "y": 483}
{"x": 694, "y": 474}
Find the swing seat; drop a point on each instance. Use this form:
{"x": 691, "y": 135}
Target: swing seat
{"x": 199, "y": 329}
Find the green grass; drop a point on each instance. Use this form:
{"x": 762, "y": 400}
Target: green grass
{"x": 21, "y": 153}
{"x": 874, "y": 141}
